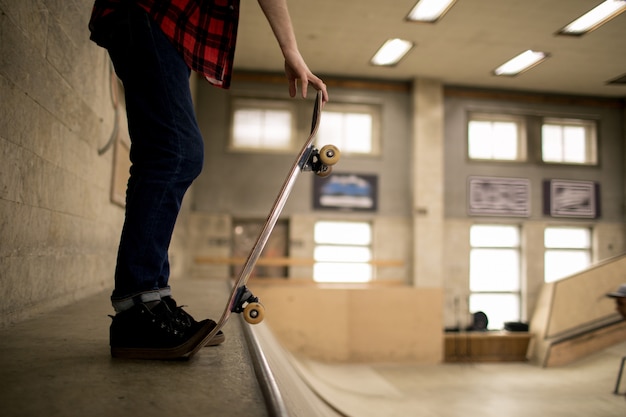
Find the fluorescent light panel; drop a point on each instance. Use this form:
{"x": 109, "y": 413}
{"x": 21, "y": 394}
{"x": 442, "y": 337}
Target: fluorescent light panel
{"x": 429, "y": 10}
{"x": 391, "y": 52}
{"x": 594, "y": 18}
{"x": 520, "y": 63}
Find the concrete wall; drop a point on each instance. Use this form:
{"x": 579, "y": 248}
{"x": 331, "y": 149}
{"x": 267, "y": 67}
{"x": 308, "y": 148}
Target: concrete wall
{"x": 58, "y": 228}
{"x": 608, "y": 229}
{"x": 245, "y": 185}
{"x": 422, "y": 218}
{"x": 609, "y": 171}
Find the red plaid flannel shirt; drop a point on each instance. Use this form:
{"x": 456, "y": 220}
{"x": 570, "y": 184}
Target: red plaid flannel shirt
{"x": 204, "y": 31}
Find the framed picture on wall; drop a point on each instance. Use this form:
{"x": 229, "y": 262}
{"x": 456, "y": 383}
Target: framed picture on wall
{"x": 567, "y": 198}
{"x": 346, "y": 191}
{"x": 495, "y": 196}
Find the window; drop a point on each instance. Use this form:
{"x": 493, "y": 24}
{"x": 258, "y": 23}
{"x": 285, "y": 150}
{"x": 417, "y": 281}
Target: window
{"x": 342, "y": 252}
{"x": 569, "y": 141}
{"x": 496, "y": 137}
{"x": 568, "y": 250}
{"x": 352, "y": 128}
{"x": 262, "y": 125}
{"x": 495, "y": 273}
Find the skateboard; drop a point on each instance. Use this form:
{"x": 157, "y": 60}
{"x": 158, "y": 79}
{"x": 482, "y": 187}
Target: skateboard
{"x": 241, "y": 298}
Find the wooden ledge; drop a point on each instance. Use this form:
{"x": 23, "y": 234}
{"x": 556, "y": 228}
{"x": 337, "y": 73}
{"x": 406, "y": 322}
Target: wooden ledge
{"x": 300, "y": 282}
{"x": 284, "y": 261}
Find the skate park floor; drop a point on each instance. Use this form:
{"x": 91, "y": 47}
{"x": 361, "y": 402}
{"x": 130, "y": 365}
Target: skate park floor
{"x": 58, "y": 364}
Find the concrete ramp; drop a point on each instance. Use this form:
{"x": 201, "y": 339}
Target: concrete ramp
{"x": 309, "y": 388}
{"x": 287, "y": 394}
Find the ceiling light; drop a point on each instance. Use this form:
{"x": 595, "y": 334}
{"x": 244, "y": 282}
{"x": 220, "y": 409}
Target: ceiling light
{"x": 520, "y": 63}
{"x": 391, "y": 52}
{"x": 594, "y": 18}
{"x": 429, "y": 10}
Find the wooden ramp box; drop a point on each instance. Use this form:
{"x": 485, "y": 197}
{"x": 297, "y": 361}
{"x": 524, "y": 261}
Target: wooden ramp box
{"x": 488, "y": 346}
{"x": 574, "y": 318}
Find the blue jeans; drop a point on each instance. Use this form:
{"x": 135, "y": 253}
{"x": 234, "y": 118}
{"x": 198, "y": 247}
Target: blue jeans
{"x": 166, "y": 152}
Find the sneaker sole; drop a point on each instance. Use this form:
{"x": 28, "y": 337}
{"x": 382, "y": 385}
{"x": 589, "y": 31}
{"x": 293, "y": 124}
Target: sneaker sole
{"x": 218, "y": 339}
{"x": 173, "y": 353}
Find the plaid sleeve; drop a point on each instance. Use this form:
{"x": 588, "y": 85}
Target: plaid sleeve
{"x": 204, "y": 31}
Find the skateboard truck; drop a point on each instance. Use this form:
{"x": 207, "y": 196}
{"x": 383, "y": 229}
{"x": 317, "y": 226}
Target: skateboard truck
{"x": 245, "y": 302}
{"x": 321, "y": 161}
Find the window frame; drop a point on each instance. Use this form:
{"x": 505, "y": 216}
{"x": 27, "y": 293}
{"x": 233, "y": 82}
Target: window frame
{"x": 590, "y": 127}
{"x": 263, "y": 104}
{"x": 521, "y": 124}
{"x": 517, "y": 293}
{"x": 365, "y": 264}
{"x": 373, "y": 110}
{"x": 547, "y": 249}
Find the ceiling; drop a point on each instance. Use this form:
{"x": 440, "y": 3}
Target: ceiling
{"x": 338, "y": 38}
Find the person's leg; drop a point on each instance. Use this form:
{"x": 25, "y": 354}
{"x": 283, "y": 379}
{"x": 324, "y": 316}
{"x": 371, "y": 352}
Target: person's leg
{"x": 166, "y": 155}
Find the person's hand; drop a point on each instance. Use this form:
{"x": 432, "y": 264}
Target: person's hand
{"x": 297, "y": 70}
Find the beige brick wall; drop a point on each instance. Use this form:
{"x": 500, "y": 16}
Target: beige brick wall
{"x": 58, "y": 229}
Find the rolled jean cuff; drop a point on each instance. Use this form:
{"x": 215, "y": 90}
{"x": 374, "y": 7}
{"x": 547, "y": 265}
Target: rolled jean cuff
{"x": 126, "y": 303}
{"x": 165, "y": 292}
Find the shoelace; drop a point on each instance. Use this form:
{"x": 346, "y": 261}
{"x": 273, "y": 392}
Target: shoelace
{"x": 163, "y": 319}
{"x": 181, "y": 317}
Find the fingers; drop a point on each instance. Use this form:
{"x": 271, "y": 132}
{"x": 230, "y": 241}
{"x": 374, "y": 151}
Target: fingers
{"x": 305, "y": 77}
{"x": 324, "y": 91}
{"x": 293, "y": 89}
{"x": 315, "y": 82}
{"x": 319, "y": 85}
{"x": 304, "y": 86}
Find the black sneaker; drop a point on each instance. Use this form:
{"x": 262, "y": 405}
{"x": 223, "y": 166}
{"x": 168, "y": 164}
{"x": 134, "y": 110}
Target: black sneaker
{"x": 143, "y": 333}
{"x": 184, "y": 320}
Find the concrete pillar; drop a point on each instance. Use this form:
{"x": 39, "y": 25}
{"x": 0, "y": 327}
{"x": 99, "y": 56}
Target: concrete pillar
{"x": 428, "y": 183}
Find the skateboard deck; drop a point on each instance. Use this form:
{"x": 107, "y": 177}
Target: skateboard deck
{"x": 241, "y": 298}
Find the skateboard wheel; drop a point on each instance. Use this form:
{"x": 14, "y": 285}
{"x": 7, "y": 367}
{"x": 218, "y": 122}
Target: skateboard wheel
{"x": 254, "y": 313}
{"x": 324, "y": 171}
{"x": 329, "y": 155}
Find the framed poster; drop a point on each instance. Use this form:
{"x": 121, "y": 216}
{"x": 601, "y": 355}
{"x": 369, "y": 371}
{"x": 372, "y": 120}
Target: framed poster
{"x": 495, "y": 196}
{"x": 567, "y": 198}
{"x": 346, "y": 191}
